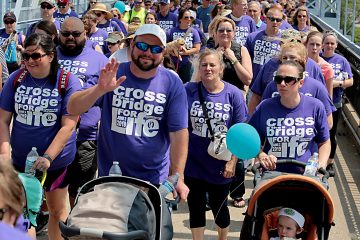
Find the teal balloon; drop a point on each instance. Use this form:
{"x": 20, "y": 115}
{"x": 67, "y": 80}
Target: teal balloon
{"x": 243, "y": 141}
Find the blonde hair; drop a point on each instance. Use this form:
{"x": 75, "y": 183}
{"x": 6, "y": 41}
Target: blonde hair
{"x": 197, "y": 61}
{"x": 299, "y": 48}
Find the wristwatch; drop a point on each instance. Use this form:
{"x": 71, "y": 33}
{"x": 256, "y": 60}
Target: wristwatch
{"x": 234, "y": 62}
{"x": 48, "y": 157}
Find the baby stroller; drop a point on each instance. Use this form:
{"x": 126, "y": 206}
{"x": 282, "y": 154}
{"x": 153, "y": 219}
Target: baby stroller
{"x": 274, "y": 190}
{"x": 117, "y": 208}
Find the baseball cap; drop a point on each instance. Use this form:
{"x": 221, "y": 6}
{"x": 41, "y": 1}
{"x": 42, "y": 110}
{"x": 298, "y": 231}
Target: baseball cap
{"x": 115, "y": 37}
{"x": 63, "y": 1}
{"x": 294, "y": 215}
{"x": 10, "y": 15}
{"x": 120, "y": 5}
{"x": 165, "y": 1}
{"x": 152, "y": 29}
{"x": 51, "y": 2}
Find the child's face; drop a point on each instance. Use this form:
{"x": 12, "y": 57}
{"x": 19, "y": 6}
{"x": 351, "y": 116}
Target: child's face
{"x": 287, "y": 227}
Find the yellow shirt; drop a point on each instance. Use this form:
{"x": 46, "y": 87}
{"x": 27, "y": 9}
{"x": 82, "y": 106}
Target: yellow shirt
{"x": 140, "y": 14}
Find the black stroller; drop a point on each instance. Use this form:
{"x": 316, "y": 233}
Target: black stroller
{"x": 275, "y": 190}
{"x": 117, "y": 208}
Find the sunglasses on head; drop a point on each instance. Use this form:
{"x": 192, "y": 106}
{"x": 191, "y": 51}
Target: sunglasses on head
{"x": 287, "y": 79}
{"x": 67, "y": 34}
{"x": 46, "y": 6}
{"x": 155, "y": 49}
{"x": 9, "y": 22}
{"x": 34, "y": 56}
{"x": 222, "y": 30}
{"x": 272, "y": 19}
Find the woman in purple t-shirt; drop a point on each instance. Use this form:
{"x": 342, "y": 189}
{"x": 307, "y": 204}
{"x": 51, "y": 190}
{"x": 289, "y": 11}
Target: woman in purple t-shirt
{"x": 225, "y": 106}
{"x": 36, "y": 101}
{"x": 343, "y": 78}
{"x": 292, "y": 125}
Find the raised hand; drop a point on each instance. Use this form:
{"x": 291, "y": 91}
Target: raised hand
{"x": 107, "y": 79}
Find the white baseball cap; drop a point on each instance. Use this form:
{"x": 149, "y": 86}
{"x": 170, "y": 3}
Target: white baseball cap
{"x": 152, "y": 29}
{"x": 294, "y": 215}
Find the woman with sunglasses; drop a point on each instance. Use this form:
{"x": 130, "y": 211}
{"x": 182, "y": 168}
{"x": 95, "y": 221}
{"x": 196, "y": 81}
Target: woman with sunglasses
{"x": 291, "y": 125}
{"x": 37, "y": 106}
{"x": 313, "y": 43}
{"x": 104, "y": 18}
{"x": 301, "y": 20}
{"x": 191, "y": 47}
{"x": 343, "y": 79}
{"x": 225, "y": 106}
{"x": 91, "y": 4}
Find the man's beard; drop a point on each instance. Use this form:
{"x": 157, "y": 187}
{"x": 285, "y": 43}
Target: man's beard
{"x": 74, "y": 51}
{"x": 142, "y": 66}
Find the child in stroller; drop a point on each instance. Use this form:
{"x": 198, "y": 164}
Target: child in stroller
{"x": 290, "y": 224}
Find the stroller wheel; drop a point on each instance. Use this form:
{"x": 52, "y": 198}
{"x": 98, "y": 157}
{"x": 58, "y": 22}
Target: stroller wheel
{"x": 42, "y": 220}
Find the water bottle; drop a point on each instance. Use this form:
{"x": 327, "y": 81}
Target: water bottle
{"x": 30, "y": 160}
{"x": 115, "y": 169}
{"x": 312, "y": 165}
{"x": 168, "y": 185}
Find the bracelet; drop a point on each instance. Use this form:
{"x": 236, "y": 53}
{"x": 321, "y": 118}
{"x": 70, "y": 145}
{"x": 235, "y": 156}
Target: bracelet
{"x": 48, "y": 157}
{"x": 234, "y": 62}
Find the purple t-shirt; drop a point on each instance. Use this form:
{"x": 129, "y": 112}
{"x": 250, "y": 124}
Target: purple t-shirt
{"x": 167, "y": 22}
{"x": 109, "y": 26}
{"x": 191, "y": 39}
{"x": 61, "y": 17}
{"x": 285, "y": 25}
{"x": 261, "y": 49}
{"x": 260, "y": 26}
{"x": 342, "y": 71}
{"x": 85, "y": 66}
{"x": 136, "y": 119}
{"x": 243, "y": 27}
{"x": 267, "y": 72}
{"x": 8, "y": 232}
{"x": 4, "y": 36}
{"x": 291, "y": 133}
{"x": 99, "y": 37}
{"x": 224, "y": 109}
{"x": 311, "y": 87}
{"x": 37, "y": 108}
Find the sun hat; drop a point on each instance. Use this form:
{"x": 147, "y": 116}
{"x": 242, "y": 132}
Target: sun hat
{"x": 152, "y": 29}
{"x": 115, "y": 37}
{"x": 102, "y": 8}
{"x": 294, "y": 215}
{"x": 132, "y": 28}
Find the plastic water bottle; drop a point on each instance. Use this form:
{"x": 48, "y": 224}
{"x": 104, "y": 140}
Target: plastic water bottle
{"x": 30, "y": 160}
{"x": 168, "y": 185}
{"x": 115, "y": 169}
{"x": 312, "y": 165}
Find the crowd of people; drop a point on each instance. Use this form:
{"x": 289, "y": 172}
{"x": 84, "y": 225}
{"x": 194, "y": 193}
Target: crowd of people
{"x": 149, "y": 83}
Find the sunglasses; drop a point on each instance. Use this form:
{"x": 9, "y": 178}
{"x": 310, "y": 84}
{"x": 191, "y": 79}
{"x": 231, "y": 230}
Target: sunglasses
{"x": 99, "y": 14}
{"x": 111, "y": 44}
{"x": 272, "y": 19}
{"x": 138, "y": 2}
{"x": 222, "y": 30}
{"x": 287, "y": 79}
{"x": 301, "y": 16}
{"x": 115, "y": 16}
{"x": 2, "y": 212}
{"x": 155, "y": 49}
{"x": 61, "y": 6}
{"x": 93, "y": 2}
{"x": 9, "y": 22}
{"x": 46, "y": 6}
{"x": 34, "y": 56}
{"x": 75, "y": 34}
{"x": 187, "y": 17}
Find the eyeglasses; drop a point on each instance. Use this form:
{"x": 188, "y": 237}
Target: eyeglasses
{"x": 46, "y": 6}
{"x": 2, "y": 212}
{"x": 272, "y": 19}
{"x": 34, "y": 56}
{"x": 75, "y": 34}
{"x": 222, "y": 30}
{"x": 155, "y": 49}
{"x": 9, "y": 22}
{"x": 301, "y": 16}
{"x": 287, "y": 79}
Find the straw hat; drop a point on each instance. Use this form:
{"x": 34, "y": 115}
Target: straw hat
{"x": 100, "y": 7}
{"x": 132, "y": 27}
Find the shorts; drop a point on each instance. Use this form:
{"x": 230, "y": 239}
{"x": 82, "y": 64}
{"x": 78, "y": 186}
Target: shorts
{"x": 84, "y": 166}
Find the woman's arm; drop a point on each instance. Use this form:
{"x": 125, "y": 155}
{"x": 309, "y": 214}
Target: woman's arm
{"x": 194, "y": 50}
{"x": 5, "y": 119}
{"x": 324, "y": 153}
{"x": 329, "y": 86}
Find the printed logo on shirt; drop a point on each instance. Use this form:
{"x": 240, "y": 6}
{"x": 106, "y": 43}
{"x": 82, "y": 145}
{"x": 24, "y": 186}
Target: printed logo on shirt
{"x": 166, "y": 24}
{"x": 137, "y": 112}
{"x": 99, "y": 40}
{"x": 79, "y": 68}
{"x": 188, "y": 40}
{"x": 108, "y": 29}
{"x": 338, "y": 73}
{"x": 241, "y": 34}
{"x": 264, "y": 51}
{"x": 289, "y": 137}
{"x": 217, "y": 112}
{"x": 275, "y": 94}
{"x": 61, "y": 19}
{"x": 35, "y": 106}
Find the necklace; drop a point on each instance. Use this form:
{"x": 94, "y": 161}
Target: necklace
{"x": 41, "y": 87}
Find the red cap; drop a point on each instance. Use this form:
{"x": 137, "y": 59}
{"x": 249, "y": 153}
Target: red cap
{"x": 63, "y": 1}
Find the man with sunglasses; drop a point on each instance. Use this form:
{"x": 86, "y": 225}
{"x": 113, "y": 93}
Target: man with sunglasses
{"x": 74, "y": 56}
{"x": 47, "y": 9}
{"x": 143, "y": 118}
{"x": 166, "y": 19}
{"x": 64, "y": 11}
{"x": 137, "y": 11}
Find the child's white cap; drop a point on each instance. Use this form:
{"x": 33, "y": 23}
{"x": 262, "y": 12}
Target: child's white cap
{"x": 293, "y": 214}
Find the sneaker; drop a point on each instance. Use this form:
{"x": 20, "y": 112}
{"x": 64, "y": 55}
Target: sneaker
{"x": 331, "y": 169}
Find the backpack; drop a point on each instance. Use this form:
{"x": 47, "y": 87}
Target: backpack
{"x": 62, "y": 84}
